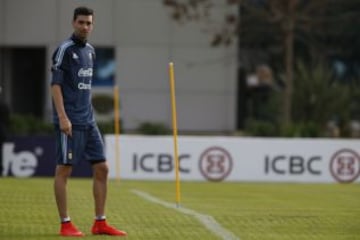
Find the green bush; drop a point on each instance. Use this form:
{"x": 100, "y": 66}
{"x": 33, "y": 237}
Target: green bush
{"x": 308, "y": 129}
{"x": 103, "y": 103}
{"x": 23, "y": 125}
{"x": 108, "y": 127}
{"x": 318, "y": 99}
{"x": 148, "y": 128}
{"x": 260, "y": 128}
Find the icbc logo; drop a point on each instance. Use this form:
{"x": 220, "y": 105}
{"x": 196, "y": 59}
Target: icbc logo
{"x": 345, "y": 166}
{"x": 215, "y": 164}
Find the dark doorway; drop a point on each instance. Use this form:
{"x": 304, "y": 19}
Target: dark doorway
{"x": 23, "y": 71}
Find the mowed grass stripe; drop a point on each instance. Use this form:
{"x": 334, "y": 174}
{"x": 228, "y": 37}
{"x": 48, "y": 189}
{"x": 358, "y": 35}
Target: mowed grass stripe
{"x": 28, "y": 211}
{"x": 253, "y": 211}
{"x": 208, "y": 221}
{"x": 271, "y": 210}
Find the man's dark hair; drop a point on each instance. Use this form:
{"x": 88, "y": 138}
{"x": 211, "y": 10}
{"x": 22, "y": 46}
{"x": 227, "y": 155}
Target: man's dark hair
{"x": 82, "y": 11}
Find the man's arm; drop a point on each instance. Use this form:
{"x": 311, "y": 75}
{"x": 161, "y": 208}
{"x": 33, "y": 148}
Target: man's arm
{"x": 65, "y": 124}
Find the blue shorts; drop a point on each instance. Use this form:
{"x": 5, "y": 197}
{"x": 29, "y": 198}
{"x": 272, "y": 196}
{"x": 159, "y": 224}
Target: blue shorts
{"x": 85, "y": 143}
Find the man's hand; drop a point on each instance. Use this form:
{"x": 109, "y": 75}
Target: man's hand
{"x": 65, "y": 126}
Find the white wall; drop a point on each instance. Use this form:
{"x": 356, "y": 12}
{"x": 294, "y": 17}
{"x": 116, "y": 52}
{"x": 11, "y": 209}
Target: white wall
{"x": 145, "y": 40}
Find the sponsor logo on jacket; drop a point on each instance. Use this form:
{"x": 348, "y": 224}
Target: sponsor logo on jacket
{"x": 88, "y": 72}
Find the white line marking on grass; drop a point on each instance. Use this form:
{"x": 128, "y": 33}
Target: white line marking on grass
{"x": 208, "y": 221}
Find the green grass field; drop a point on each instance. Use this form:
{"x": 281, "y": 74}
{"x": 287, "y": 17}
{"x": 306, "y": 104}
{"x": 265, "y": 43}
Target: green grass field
{"x": 248, "y": 210}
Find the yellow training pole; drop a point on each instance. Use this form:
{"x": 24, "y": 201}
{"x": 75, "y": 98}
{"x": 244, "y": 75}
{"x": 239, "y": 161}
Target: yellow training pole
{"x": 117, "y": 131}
{"x": 174, "y": 123}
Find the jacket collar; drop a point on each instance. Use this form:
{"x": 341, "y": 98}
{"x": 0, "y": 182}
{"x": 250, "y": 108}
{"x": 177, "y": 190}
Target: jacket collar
{"x": 78, "y": 40}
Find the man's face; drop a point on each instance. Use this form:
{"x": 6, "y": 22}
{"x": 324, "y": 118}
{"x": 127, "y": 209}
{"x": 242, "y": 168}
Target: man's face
{"x": 83, "y": 26}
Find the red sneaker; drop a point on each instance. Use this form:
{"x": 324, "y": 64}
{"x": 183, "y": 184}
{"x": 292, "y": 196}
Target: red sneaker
{"x": 69, "y": 230}
{"x": 101, "y": 227}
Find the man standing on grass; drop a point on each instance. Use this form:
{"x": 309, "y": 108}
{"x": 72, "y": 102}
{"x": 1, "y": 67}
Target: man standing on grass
{"x": 77, "y": 135}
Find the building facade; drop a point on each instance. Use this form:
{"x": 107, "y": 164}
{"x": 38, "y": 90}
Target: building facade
{"x": 136, "y": 39}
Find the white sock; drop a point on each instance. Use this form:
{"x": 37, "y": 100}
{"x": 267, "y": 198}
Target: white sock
{"x": 66, "y": 219}
{"x": 101, "y": 217}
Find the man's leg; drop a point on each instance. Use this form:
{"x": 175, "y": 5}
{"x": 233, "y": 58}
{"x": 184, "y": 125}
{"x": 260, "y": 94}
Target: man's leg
{"x": 100, "y": 175}
{"x": 62, "y": 173}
